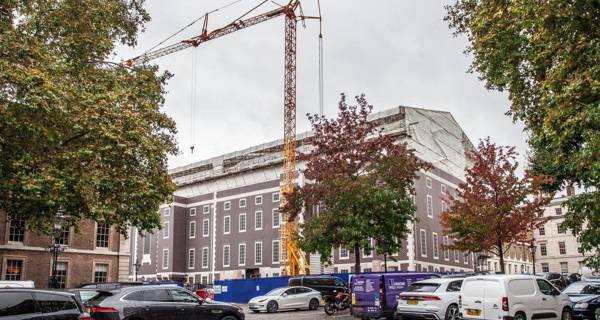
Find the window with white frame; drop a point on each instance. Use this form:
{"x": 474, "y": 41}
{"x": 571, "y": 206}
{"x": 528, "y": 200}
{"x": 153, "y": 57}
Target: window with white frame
{"x": 166, "y": 230}
{"x": 466, "y": 258}
{"x": 436, "y": 245}
{"x": 543, "y": 249}
{"x": 558, "y": 211}
{"x": 242, "y": 224}
{"x": 423, "y": 236}
{"x": 545, "y": 267}
{"x": 562, "y": 248}
{"x": 429, "y": 206}
{"x": 102, "y": 235}
{"x": 205, "y": 228}
{"x": 192, "y": 229}
{"x": 206, "y": 209}
{"x": 242, "y": 254}
{"x": 456, "y": 256}
{"x": 226, "y": 225}
{"x": 167, "y": 212}
{"x": 205, "y": 257}
{"x": 428, "y": 182}
{"x": 444, "y": 206}
{"x": 242, "y": 203}
{"x": 276, "y": 250}
{"x": 368, "y": 251}
{"x": 226, "y": 255}
{"x": 16, "y": 231}
{"x": 564, "y": 267}
{"x": 443, "y": 189}
{"x": 147, "y": 238}
{"x": 61, "y": 274}
{"x": 258, "y": 253}
{"x": 192, "y": 212}
{"x": 275, "y": 197}
{"x": 258, "y": 220}
{"x": 542, "y": 231}
{"x": 227, "y": 205}
{"x": 446, "y": 242}
{"x": 100, "y": 272}
{"x": 64, "y": 237}
{"x": 344, "y": 253}
{"x": 14, "y": 270}
{"x": 165, "y": 259}
{"x": 258, "y": 200}
{"x": 276, "y": 218}
{"x": 191, "y": 258}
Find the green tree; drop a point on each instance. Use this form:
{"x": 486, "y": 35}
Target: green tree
{"x": 78, "y": 133}
{"x": 546, "y": 54}
{"x": 362, "y": 182}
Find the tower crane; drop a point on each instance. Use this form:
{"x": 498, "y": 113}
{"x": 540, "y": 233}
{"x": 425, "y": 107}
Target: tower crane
{"x": 295, "y": 260}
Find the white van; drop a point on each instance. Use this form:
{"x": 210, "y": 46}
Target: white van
{"x": 16, "y": 284}
{"x": 508, "y": 297}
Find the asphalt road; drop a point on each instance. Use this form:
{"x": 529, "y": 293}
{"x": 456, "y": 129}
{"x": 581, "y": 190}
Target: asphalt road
{"x": 295, "y": 315}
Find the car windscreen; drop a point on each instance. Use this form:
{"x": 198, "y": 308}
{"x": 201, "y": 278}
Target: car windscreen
{"x": 276, "y": 292}
{"x": 583, "y": 288}
{"x": 423, "y": 287}
{"x": 86, "y": 295}
{"x": 98, "y": 298}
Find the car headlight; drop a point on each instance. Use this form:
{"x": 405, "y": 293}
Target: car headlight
{"x": 262, "y": 300}
{"x": 581, "y": 305}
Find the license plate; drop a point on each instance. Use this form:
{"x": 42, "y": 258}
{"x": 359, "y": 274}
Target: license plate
{"x": 413, "y": 302}
{"x": 474, "y": 312}
{"x": 359, "y": 309}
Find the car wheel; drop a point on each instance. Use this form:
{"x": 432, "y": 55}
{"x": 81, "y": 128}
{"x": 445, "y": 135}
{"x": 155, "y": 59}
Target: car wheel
{"x": 229, "y": 317}
{"x": 272, "y": 306}
{"x": 566, "y": 314}
{"x": 452, "y": 312}
{"x": 313, "y": 304}
{"x": 520, "y": 316}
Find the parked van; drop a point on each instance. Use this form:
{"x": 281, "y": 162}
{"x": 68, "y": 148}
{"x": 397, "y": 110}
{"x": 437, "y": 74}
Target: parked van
{"x": 374, "y": 295}
{"x": 326, "y": 285}
{"x": 518, "y": 297}
{"x": 17, "y": 284}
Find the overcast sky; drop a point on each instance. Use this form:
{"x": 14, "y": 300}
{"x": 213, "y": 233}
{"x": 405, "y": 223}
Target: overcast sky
{"x": 227, "y": 94}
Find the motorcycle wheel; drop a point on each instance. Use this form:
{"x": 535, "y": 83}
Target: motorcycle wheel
{"x": 329, "y": 309}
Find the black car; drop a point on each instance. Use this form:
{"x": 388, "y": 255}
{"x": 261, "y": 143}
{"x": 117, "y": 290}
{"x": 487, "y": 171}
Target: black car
{"x": 326, "y": 285}
{"x": 585, "y": 308}
{"x": 20, "y": 304}
{"x": 158, "y": 302}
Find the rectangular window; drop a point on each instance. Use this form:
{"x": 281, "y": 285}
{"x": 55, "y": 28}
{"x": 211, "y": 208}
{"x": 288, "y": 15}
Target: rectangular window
{"x": 226, "y": 225}
{"x": 558, "y": 211}
{"x": 436, "y": 246}
{"x": 242, "y": 254}
{"x": 100, "y": 273}
{"x": 542, "y": 231}
{"x": 428, "y": 182}
{"x": 562, "y": 248}
{"x": 446, "y": 243}
{"x": 543, "y": 249}
{"x": 258, "y": 252}
{"x": 443, "y": 189}
{"x": 258, "y": 200}
{"x": 167, "y": 212}
{"x": 16, "y": 232}
{"x": 456, "y": 256}
{"x": 166, "y": 231}
{"x": 368, "y": 251}
{"x": 276, "y": 218}
{"x": 564, "y": 267}
{"x": 64, "y": 237}
{"x": 226, "y": 256}
{"x": 14, "y": 270}
{"x": 444, "y": 206}
{"x": 275, "y": 197}
{"x": 191, "y": 258}
{"x": 147, "y": 242}
{"x": 61, "y": 274}
{"x": 206, "y": 209}
{"x": 192, "y": 212}
{"x": 466, "y": 258}
{"x": 205, "y": 228}
{"x": 423, "y": 243}
{"x": 205, "y": 257}
{"x": 242, "y": 203}
{"x": 165, "y": 259}
{"x": 102, "y": 234}
{"x": 227, "y": 205}
{"x": 344, "y": 254}
{"x": 545, "y": 267}
{"x": 258, "y": 220}
{"x": 429, "y": 206}
{"x": 561, "y": 229}
{"x": 276, "y": 246}
{"x": 242, "y": 226}
{"x": 192, "y": 229}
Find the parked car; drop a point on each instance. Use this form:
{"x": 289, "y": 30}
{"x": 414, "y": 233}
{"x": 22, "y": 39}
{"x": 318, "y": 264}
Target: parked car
{"x": 430, "y": 299}
{"x": 16, "y": 284}
{"x": 286, "y": 298}
{"x": 109, "y": 285}
{"x": 83, "y": 295}
{"x": 158, "y": 302}
{"x": 326, "y": 285}
{"x": 517, "y": 297}
{"x": 582, "y": 290}
{"x": 586, "y": 308}
{"x": 556, "y": 279}
{"x": 21, "y": 304}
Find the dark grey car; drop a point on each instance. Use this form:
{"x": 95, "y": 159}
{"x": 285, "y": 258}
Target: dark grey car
{"x": 158, "y": 303}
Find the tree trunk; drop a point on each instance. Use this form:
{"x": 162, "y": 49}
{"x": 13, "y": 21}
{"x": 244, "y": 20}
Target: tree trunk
{"x": 356, "y": 258}
{"x": 501, "y": 255}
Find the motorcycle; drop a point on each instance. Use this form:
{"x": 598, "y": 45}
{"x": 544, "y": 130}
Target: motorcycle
{"x": 336, "y": 303}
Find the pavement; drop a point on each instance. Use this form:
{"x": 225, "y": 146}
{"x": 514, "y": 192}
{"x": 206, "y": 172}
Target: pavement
{"x": 296, "y": 315}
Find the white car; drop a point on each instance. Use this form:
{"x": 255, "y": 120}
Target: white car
{"x": 435, "y": 299}
{"x": 516, "y": 297}
{"x": 286, "y": 298}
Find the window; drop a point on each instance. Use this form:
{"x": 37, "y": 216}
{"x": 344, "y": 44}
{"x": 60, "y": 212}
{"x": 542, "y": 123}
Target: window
{"x": 428, "y": 182}
{"x": 446, "y": 242}
{"x": 276, "y": 246}
{"x": 564, "y": 267}
{"x": 423, "y": 243}
{"x": 226, "y": 256}
{"x": 242, "y": 225}
{"x": 102, "y": 233}
{"x": 205, "y": 228}
{"x": 276, "y": 218}
{"x": 562, "y": 248}
{"x": 436, "y": 246}
{"x": 444, "y": 206}
{"x": 258, "y": 220}
{"x": 542, "y": 231}
{"x": 100, "y": 272}
{"x": 545, "y": 267}
{"x": 456, "y": 256}
{"x": 429, "y": 206}
{"x": 192, "y": 229}
{"x": 242, "y": 203}
{"x": 16, "y": 232}
{"x": 275, "y": 197}
{"x": 51, "y": 303}
{"x": 242, "y": 254}
{"x": 147, "y": 242}
{"x": 157, "y": 295}
{"x": 543, "y": 249}
{"x": 63, "y": 238}
{"x": 344, "y": 254}
{"x": 14, "y": 270}
{"x": 17, "y": 304}
{"x": 191, "y": 258}
{"x": 258, "y": 200}
{"x": 227, "y": 205}
{"x": 205, "y": 257}
{"x": 558, "y": 211}
{"x": 226, "y": 225}
{"x": 182, "y": 296}
{"x": 165, "y": 259}
{"x": 206, "y": 209}
{"x": 258, "y": 252}
{"x": 454, "y": 286}
{"x": 61, "y": 274}
{"x": 192, "y": 212}
{"x": 561, "y": 229}
{"x": 204, "y": 280}
{"x": 443, "y": 189}
{"x": 466, "y": 258}
{"x": 167, "y": 212}
{"x": 166, "y": 230}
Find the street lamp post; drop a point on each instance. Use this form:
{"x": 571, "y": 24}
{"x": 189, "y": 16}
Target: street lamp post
{"x": 532, "y": 248}
{"x": 56, "y": 247}
{"x": 136, "y": 268}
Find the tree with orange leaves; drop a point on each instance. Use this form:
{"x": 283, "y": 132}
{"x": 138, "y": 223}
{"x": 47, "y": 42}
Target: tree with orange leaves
{"x": 494, "y": 208}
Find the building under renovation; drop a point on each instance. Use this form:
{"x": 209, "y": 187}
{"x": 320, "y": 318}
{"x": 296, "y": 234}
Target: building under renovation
{"x": 224, "y": 220}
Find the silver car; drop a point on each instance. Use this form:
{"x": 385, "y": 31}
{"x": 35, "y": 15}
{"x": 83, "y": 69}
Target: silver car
{"x": 286, "y": 298}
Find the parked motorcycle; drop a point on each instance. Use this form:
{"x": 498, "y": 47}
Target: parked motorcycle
{"x": 336, "y": 303}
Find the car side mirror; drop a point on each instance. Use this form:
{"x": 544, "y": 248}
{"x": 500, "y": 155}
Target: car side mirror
{"x": 284, "y": 294}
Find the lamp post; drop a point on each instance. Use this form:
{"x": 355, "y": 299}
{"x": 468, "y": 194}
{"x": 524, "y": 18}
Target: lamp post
{"x": 136, "y": 268}
{"x": 532, "y": 248}
{"x": 56, "y": 247}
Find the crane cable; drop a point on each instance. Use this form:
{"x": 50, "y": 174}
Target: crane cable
{"x": 320, "y": 60}
{"x": 193, "y": 100}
